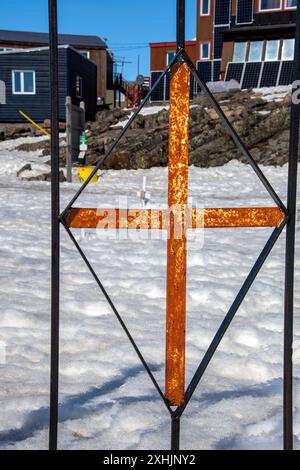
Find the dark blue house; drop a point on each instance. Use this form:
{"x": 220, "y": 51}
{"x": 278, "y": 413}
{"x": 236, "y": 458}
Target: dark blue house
{"x": 25, "y": 83}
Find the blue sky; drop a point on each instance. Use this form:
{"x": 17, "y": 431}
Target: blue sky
{"x": 128, "y": 25}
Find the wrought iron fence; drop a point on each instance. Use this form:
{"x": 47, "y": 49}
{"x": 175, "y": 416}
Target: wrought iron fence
{"x": 279, "y": 217}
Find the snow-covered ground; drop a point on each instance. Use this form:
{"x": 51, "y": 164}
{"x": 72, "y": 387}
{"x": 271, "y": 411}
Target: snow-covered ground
{"x": 107, "y": 400}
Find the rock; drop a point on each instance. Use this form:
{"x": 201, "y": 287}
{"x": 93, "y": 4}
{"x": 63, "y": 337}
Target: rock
{"x": 14, "y": 131}
{"x": 261, "y": 123}
{"x": 34, "y": 176}
{"x": 26, "y": 167}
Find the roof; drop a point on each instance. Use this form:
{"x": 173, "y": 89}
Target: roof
{"x": 170, "y": 44}
{"x": 37, "y": 49}
{"x": 43, "y": 38}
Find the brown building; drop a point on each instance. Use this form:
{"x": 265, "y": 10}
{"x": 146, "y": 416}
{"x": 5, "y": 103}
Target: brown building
{"x": 251, "y": 41}
{"x": 92, "y": 47}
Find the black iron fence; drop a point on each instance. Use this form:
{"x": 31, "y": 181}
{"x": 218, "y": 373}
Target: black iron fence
{"x": 288, "y": 222}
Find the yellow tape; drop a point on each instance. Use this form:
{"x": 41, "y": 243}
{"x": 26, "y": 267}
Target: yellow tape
{"x": 34, "y": 123}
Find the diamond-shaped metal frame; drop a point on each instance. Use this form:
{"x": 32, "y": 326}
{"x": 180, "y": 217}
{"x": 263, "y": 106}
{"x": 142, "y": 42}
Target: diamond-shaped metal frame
{"x": 288, "y": 220}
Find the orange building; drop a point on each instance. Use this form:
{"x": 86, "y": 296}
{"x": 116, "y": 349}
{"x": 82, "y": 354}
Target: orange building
{"x": 251, "y": 41}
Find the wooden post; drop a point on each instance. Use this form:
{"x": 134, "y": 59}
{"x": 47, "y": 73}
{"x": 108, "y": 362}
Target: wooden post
{"x": 69, "y": 138}
{"x": 176, "y": 261}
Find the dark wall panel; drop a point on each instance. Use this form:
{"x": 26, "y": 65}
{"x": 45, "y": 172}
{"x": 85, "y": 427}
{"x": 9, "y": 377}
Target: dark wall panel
{"x": 234, "y": 72}
{"x": 36, "y": 106}
{"x": 286, "y": 74}
{"x": 244, "y": 11}
{"x": 269, "y": 74}
{"x": 251, "y": 75}
{"x": 222, "y": 12}
{"x": 158, "y": 93}
{"x": 87, "y": 70}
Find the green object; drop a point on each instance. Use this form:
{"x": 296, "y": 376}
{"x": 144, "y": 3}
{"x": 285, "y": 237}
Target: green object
{"x": 83, "y": 139}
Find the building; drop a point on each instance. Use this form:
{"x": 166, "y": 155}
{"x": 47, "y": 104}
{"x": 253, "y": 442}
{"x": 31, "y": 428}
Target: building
{"x": 25, "y": 83}
{"x": 92, "y": 47}
{"x": 251, "y": 41}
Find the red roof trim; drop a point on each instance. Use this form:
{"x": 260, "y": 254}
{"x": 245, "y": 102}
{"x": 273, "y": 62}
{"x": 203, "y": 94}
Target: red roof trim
{"x": 170, "y": 44}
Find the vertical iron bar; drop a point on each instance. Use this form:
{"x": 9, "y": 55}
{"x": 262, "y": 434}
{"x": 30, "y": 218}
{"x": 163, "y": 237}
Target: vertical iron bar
{"x": 55, "y": 224}
{"x": 175, "y": 433}
{"x": 290, "y": 248}
{"x": 180, "y": 24}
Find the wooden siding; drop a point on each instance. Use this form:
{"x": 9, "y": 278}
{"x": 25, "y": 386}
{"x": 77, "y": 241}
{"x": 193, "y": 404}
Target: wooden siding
{"x": 97, "y": 55}
{"x": 37, "y": 106}
{"x": 159, "y": 54}
{"x": 87, "y": 70}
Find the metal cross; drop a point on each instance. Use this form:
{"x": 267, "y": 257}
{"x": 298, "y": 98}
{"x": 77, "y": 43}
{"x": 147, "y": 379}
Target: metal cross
{"x": 177, "y": 220}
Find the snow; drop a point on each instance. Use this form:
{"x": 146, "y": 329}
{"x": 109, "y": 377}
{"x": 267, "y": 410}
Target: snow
{"x": 271, "y": 94}
{"x": 106, "y": 399}
{"x": 146, "y": 111}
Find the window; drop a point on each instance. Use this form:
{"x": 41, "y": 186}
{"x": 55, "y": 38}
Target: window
{"x": 239, "y": 54}
{"x": 256, "y": 49}
{"x": 290, "y": 4}
{"x": 2, "y": 92}
{"x": 288, "y": 49}
{"x": 204, "y": 7}
{"x": 272, "y": 50}
{"x": 79, "y": 83}
{"x": 23, "y": 82}
{"x": 205, "y": 51}
{"x": 85, "y": 54}
{"x": 170, "y": 57}
{"x": 266, "y": 5}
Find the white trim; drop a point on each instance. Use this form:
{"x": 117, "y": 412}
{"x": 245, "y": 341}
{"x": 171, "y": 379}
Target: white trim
{"x": 209, "y": 8}
{"x": 260, "y": 10}
{"x": 289, "y": 8}
{"x": 85, "y": 52}
{"x": 35, "y": 49}
{"x": 2, "y": 92}
{"x": 245, "y": 55}
{"x": 282, "y": 49}
{"x": 22, "y": 92}
{"x": 243, "y": 75}
{"x": 249, "y": 61}
{"x": 266, "y": 49}
{"x": 261, "y": 74}
{"x": 279, "y": 73}
{"x": 209, "y": 51}
{"x": 167, "y": 54}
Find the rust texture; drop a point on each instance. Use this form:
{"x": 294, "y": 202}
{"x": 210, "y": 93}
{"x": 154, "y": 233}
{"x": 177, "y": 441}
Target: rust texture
{"x": 177, "y": 258}
{"x": 237, "y": 217}
{"x": 152, "y": 219}
{"x": 117, "y": 219}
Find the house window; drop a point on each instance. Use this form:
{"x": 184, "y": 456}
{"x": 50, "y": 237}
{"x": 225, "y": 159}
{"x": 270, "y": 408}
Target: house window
{"x": 23, "y": 82}
{"x": 269, "y": 5}
{"x": 205, "y": 51}
{"x": 85, "y": 54}
{"x": 204, "y": 7}
{"x": 288, "y": 49}
{"x": 79, "y": 83}
{"x": 290, "y": 4}
{"x": 272, "y": 50}
{"x": 256, "y": 49}
{"x": 170, "y": 57}
{"x": 239, "y": 54}
{"x": 2, "y": 92}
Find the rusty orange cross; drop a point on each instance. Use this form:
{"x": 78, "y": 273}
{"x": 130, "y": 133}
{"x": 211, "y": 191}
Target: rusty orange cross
{"x": 178, "y": 215}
